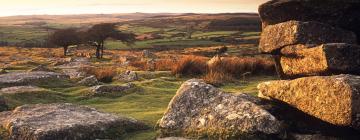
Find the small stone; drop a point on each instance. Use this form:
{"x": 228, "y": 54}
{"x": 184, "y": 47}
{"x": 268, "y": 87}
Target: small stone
{"x": 108, "y": 89}
{"x": 89, "y": 81}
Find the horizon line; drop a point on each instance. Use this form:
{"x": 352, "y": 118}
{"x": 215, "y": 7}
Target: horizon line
{"x": 129, "y": 13}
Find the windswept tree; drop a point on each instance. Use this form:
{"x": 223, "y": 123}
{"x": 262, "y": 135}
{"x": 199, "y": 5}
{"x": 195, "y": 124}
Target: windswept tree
{"x": 97, "y": 35}
{"x": 65, "y": 38}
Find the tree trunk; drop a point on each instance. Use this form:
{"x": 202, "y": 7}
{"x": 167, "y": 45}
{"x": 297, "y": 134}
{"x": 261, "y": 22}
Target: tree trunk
{"x": 102, "y": 50}
{"x": 65, "y": 50}
{"x": 98, "y": 52}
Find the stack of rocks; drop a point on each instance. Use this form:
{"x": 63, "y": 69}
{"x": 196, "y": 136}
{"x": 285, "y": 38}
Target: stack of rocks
{"x": 310, "y": 38}
{"x": 316, "y": 42}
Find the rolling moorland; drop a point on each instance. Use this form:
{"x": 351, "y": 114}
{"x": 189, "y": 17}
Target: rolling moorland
{"x": 169, "y": 49}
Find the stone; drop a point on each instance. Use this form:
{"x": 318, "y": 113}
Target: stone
{"x": 89, "y": 81}
{"x": 199, "y": 110}
{"x": 21, "y": 89}
{"x": 326, "y": 59}
{"x": 275, "y": 37}
{"x": 101, "y": 90}
{"x": 148, "y": 54}
{"x": 128, "y": 76}
{"x": 339, "y": 13}
{"x": 332, "y": 99}
{"x": 41, "y": 68}
{"x": 30, "y": 78}
{"x": 65, "y": 121}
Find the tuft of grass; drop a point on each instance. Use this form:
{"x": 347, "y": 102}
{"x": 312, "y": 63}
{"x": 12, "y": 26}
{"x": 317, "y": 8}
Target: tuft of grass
{"x": 190, "y": 65}
{"x": 103, "y": 74}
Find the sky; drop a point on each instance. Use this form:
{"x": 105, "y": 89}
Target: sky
{"x": 59, "y": 7}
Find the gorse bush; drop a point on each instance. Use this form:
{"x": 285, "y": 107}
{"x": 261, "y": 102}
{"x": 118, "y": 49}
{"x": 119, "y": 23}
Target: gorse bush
{"x": 103, "y": 74}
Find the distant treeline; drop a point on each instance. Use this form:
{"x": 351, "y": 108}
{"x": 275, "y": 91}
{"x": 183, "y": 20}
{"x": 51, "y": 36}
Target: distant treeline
{"x": 237, "y": 24}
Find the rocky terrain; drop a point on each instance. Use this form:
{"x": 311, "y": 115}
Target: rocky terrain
{"x": 315, "y": 45}
{"x": 315, "y": 48}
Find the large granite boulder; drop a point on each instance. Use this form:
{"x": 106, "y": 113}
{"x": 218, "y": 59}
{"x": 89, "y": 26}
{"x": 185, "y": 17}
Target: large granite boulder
{"x": 64, "y": 121}
{"x": 275, "y": 37}
{"x": 333, "y": 99}
{"x": 340, "y": 13}
{"x": 199, "y": 110}
{"x": 30, "y": 78}
{"x": 326, "y": 59}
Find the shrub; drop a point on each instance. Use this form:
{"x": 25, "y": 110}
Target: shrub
{"x": 165, "y": 64}
{"x": 104, "y": 74}
{"x": 190, "y": 65}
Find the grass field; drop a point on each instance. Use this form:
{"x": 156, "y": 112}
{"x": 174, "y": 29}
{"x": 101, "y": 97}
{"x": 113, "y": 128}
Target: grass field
{"x": 147, "y": 102}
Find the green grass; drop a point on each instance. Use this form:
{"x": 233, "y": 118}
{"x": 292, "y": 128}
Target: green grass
{"x": 213, "y": 34}
{"x": 148, "y": 44}
{"x": 147, "y": 102}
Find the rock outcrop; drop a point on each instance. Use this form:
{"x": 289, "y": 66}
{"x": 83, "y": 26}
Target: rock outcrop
{"x": 326, "y": 59}
{"x": 333, "y": 99}
{"x": 64, "y": 121}
{"x": 199, "y": 110}
{"x": 275, "y": 37}
{"x": 30, "y": 78}
{"x": 89, "y": 81}
{"x": 338, "y": 13}
{"x": 101, "y": 90}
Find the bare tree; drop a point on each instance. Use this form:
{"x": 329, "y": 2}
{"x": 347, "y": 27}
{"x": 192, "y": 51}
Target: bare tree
{"x": 97, "y": 35}
{"x": 64, "y": 38}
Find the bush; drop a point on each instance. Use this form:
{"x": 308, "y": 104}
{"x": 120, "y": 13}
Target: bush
{"x": 104, "y": 74}
{"x": 165, "y": 64}
{"x": 190, "y": 65}
{"x": 226, "y": 69}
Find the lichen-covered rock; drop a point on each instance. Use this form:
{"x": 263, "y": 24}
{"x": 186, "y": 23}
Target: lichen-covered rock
{"x": 89, "y": 81}
{"x": 64, "y": 121}
{"x": 108, "y": 89}
{"x": 333, "y": 99}
{"x": 21, "y": 89}
{"x": 340, "y": 13}
{"x": 199, "y": 110}
{"x": 275, "y": 37}
{"x": 128, "y": 76}
{"x": 30, "y": 78}
{"x": 325, "y": 59}
{"x": 41, "y": 68}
